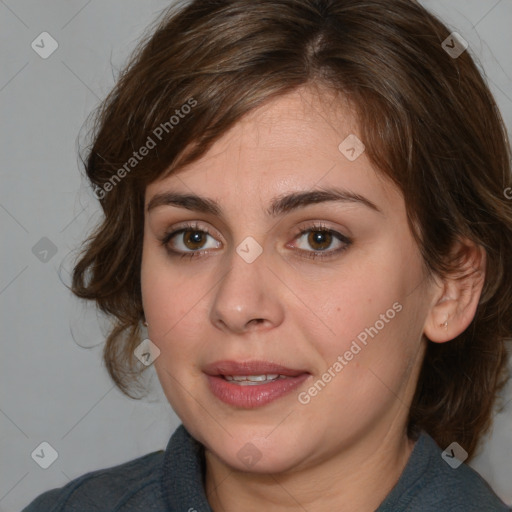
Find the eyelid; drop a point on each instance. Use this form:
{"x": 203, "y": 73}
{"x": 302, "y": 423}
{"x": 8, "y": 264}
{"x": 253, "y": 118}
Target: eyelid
{"x": 192, "y": 225}
{"x": 320, "y": 226}
{"x": 306, "y": 227}
{"x": 183, "y": 227}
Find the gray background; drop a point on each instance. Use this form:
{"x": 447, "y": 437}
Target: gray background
{"x": 51, "y": 389}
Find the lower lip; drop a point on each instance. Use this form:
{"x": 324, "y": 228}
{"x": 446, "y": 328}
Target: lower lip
{"x": 252, "y": 396}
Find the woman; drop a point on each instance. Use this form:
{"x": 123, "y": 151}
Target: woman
{"x": 305, "y": 204}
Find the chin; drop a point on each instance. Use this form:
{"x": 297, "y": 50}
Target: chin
{"x": 251, "y": 460}
{"x": 252, "y": 452}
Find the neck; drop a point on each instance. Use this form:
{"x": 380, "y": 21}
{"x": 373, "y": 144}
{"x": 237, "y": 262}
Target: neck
{"x": 341, "y": 482}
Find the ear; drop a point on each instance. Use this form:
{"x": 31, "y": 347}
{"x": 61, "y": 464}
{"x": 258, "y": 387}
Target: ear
{"x": 454, "y": 300}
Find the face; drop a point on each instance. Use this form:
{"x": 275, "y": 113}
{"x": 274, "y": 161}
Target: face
{"x": 321, "y": 302}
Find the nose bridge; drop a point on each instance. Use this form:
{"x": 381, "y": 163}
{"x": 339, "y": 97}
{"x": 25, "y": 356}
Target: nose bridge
{"x": 244, "y": 294}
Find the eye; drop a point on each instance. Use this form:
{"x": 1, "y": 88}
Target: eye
{"x": 192, "y": 238}
{"x": 320, "y": 238}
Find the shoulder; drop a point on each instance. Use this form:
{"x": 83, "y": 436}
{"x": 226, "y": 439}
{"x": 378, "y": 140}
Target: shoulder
{"x": 133, "y": 485}
{"x": 430, "y": 484}
{"x": 459, "y": 490}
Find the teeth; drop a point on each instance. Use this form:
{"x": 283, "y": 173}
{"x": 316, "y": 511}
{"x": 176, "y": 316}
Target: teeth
{"x": 251, "y": 380}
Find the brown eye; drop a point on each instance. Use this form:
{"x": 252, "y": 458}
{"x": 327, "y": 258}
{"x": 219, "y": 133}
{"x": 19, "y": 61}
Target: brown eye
{"x": 319, "y": 240}
{"x": 188, "y": 241}
{"x": 194, "y": 240}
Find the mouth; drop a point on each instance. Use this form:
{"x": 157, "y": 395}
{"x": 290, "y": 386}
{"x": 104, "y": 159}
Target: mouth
{"x": 253, "y": 380}
{"x": 251, "y": 384}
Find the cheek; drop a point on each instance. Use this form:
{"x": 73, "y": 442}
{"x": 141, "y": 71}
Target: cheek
{"x": 369, "y": 361}
{"x": 368, "y": 316}
{"x": 348, "y": 303}
{"x": 173, "y": 300}
{"x": 160, "y": 293}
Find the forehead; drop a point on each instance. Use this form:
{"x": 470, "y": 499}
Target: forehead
{"x": 291, "y": 143}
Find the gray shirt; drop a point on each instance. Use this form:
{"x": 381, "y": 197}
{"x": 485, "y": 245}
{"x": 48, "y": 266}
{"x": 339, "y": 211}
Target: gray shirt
{"x": 172, "y": 480}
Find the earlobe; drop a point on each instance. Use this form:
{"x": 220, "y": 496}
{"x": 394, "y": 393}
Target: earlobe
{"x": 442, "y": 324}
{"x": 456, "y": 298}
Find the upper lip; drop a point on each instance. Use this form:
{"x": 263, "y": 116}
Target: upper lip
{"x": 250, "y": 368}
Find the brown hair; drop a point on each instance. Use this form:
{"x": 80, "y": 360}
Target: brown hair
{"x": 428, "y": 120}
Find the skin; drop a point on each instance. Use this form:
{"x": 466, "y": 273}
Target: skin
{"x": 346, "y": 448}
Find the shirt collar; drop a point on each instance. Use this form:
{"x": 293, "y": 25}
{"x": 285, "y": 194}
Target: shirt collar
{"x": 184, "y": 469}
{"x": 182, "y": 475}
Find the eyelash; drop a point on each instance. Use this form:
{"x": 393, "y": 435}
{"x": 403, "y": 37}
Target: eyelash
{"x": 194, "y": 227}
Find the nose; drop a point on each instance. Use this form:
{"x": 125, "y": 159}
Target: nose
{"x": 247, "y": 297}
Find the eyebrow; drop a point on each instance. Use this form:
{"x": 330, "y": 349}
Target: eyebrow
{"x": 279, "y": 206}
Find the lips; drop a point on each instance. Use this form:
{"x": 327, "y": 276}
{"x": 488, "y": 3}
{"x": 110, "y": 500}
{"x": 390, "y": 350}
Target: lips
{"x": 251, "y": 384}
{"x": 250, "y": 368}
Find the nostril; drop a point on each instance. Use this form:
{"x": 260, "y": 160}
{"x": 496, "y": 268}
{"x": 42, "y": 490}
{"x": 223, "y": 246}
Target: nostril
{"x": 256, "y": 321}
